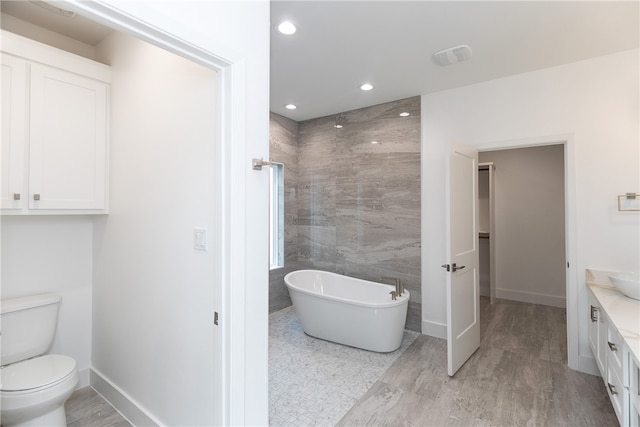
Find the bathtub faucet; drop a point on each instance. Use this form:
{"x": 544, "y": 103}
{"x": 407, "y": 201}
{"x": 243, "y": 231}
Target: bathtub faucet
{"x": 398, "y": 283}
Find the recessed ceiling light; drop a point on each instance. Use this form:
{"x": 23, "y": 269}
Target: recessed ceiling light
{"x": 290, "y": 107}
{"x": 404, "y": 114}
{"x": 375, "y": 142}
{"x": 287, "y": 28}
{"x": 337, "y": 126}
{"x": 366, "y": 86}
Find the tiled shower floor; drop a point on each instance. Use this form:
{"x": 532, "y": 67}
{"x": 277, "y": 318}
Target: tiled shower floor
{"x": 314, "y": 382}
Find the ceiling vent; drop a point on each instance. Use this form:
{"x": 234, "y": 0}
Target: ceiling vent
{"x": 452, "y": 55}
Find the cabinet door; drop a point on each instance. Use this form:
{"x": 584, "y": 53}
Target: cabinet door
{"x": 615, "y": 350}
{"x": 593, "y": 325}
{"x": 603, "y": 348}
{"x": 12, "y": 156}
{"x": 597, "y": 334}
{"x": 68, "y": 140}
{"x": 634, "y": 392}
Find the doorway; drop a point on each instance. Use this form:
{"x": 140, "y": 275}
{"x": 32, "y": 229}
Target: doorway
{"x": 529, "y": 232}
{"x": 224, "y": 261}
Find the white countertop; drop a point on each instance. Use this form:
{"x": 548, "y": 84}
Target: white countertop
{"x": 624, "y": 312}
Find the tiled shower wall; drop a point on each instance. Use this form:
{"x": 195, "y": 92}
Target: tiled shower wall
{"x": 358, "y": 203}
{"x": 283, "y": 147}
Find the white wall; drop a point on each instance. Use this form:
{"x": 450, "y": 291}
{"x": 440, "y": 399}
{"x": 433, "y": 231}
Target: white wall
{"x": 529, "y": 230}
{"x": 34, "y": 32}
{"x": 594, "y": 105}
{"x": 153, "y": 293}
{"x": 43, "y": 254}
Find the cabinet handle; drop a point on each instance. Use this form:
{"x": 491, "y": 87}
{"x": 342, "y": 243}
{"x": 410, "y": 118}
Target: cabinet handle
{"x": 612, "y": 389}
{"x": 16, "y": 196}
{"x": 36, "y": 197}
{"x": 612, "y": 346}
{"x": 594, "y": 314}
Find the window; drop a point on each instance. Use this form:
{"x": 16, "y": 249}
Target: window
{"x": 276, "y": 215}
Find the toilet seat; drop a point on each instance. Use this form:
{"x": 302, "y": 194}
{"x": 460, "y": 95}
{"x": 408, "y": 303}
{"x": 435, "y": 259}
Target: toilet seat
{"x": 38, "y": 373}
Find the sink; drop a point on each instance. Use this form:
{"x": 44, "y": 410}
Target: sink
{"x": 627, "y": 283}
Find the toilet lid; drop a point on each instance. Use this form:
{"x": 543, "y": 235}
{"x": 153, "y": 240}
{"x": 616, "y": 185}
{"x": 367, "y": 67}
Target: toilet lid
{"x": 37, "y": 372}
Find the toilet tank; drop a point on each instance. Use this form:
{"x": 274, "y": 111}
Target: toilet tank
{"x": 28, "y": 325}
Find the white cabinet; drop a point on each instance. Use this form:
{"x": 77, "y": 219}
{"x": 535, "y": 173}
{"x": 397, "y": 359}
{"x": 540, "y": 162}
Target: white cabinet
{"x": 613, "y": 358}
{"x": 616, "y": 388}
{"x": 597, "y": 328}
{"x": 12, "y": 178}
{"x": 54, "y": 130}
{"x": 634, "y": 392}
{"x": 68, "y": 132}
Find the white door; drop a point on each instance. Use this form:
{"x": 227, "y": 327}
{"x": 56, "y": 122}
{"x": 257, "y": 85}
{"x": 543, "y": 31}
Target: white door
{"x": 463, "y": 303}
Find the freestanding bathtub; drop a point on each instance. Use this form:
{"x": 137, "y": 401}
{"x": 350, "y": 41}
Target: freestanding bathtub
{"x": 348, "y": 311}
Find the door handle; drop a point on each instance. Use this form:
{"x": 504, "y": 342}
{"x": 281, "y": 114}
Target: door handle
{"x": 455, "y": 268}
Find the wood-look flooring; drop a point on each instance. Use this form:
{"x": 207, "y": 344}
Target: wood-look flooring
{"x": 518, "y": 377}
{"x": 86, "y": 408}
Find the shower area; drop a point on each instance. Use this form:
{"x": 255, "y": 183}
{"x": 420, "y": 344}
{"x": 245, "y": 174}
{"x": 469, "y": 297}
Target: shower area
{"x": 348, "y": 198}
{"x": 351, "y": 197}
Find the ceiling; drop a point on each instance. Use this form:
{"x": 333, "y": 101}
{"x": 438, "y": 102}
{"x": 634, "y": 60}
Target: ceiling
{"x": 76, "y": 27}
{"x": 340, "y": 45}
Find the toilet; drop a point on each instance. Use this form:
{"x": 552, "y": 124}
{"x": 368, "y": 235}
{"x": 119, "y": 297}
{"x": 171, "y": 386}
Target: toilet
{"x": 33, "y": 385}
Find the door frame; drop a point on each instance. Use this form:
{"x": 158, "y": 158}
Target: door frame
{"x": 228, "y": 239}
{"x": 489, "y": 166}
{"x": 571, "y": 279}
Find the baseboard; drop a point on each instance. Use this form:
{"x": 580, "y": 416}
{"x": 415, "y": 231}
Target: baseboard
{"x": 121, "y": 401}
{"x": 588, "y": 365}
{"x": 531, "y": 297}
{"x": 434, "y": 329}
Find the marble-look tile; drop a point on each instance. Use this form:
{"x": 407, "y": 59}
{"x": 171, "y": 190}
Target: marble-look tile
{"x": 496, "y": 386}
{"x": 391, "y": 135}
{"x": 317, "y": 247}
{"x": 387, "y": 405}
{"x": 556, "y": 325}
{"x": 278, "y": 292}
{"x": 388, "y": 110}
{"x": 359, "y": 203}
{"x": 316, "y": 204}
{"x": 579, "y": 399}
{"x": 519, "y": 328}
{"x": 315, "y": 382}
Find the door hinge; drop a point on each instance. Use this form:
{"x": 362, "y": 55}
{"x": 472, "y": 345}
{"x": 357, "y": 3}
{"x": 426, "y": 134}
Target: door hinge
{"x": 215, "y": 318}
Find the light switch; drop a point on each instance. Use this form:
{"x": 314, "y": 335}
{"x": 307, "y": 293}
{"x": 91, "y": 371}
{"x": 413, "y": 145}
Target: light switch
{"x": 200, "y": 239}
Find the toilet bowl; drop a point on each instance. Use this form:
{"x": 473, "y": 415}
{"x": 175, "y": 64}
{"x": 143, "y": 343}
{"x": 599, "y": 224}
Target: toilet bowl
{"x": 34, "y": 391}
{"x": 33, "y": 384}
